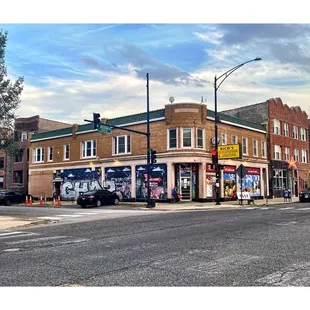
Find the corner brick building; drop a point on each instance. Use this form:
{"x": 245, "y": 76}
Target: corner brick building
{"x": 72, "y": 160}
{"x": 14, "y": 169}
{"x": 287, "y": 140}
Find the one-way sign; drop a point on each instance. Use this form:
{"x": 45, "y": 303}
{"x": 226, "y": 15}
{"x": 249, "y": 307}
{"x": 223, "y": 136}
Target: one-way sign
{"x": 241, "y": 171}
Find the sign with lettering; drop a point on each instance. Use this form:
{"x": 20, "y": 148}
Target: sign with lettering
{"x": 229, "y": 151}
{"x": 245, "y": 195}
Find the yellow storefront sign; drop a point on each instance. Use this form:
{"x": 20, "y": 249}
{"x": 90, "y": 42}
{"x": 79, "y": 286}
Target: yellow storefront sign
{"x": 229, "y": 151}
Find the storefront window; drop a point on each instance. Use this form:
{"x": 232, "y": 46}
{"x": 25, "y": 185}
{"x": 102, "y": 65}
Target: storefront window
{"x": 229, "y": 179}
{"x": 279, "y": 179}
{"x": 251, "y": 182}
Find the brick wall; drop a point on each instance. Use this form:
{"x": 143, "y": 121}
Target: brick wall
{"x": 41, "y": 183}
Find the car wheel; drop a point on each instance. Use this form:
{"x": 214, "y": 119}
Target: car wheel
{"x": 98, "y": 203}
{"x": 116, "y": 201}
{"x": 7, "y": 202}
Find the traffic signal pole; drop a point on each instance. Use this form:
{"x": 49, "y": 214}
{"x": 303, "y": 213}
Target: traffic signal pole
{"x": 149, "y": 205}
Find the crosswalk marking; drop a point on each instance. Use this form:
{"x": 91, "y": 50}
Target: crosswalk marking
{"x": 303, "y": 209}
{"x": 36, "y": 239}
{"x": 70, "y": 215}
{"x": 251, "y": 208}
{"x": 87, "y": 213}
{"x": 11, "y": 233}
{"x": 48, "y": 218}
{"x": 25, "y": 234}
{"x": 288, "y": 208}
{"x": 264, "y": 208}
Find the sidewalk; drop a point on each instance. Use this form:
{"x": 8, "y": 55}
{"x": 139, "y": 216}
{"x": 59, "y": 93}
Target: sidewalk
{"x": 8, "y": 222}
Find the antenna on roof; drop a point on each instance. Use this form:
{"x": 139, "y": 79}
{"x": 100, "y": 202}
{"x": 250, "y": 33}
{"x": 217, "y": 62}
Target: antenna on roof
{"x": 171, "y": 99}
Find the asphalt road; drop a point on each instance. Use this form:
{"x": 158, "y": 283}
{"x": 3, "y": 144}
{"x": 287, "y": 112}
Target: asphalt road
{"x": 250, "y": 247}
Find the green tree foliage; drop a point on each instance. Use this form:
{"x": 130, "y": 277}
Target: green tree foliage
{"x": 9, "y": 99}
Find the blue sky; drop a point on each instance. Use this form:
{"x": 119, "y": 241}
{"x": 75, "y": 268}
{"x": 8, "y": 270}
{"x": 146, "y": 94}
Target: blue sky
{"x": 72, "y": 70}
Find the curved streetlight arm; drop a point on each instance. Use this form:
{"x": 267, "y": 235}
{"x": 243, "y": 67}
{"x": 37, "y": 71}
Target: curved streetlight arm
{"x": 230, "y": 71}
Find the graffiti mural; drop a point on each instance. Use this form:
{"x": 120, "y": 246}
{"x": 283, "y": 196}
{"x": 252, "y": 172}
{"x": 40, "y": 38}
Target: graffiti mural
{"x": 119, "y": 179}
{"x": 158, "y": 182}
{"x": 79, "y": 180}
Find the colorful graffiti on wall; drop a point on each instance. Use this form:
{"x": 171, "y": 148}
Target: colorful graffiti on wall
{"x": 119, "y": 179}
{"x": 158, "y": 182}
{"x": 77, "y": 181}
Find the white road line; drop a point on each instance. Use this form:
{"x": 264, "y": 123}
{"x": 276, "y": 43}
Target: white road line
{"x": 302, "y": 209}
{"x": 36, "y": 239}
{"x": 288, "y": 208}
{"x": 11, "y": 233}
{"x": 26, "y": 234}
{"x": 87, "y": 213}
{"x": 250, "y": 208}
{"x": 10, "y": 250}
{"x": 48, "y": 218}
{"x": 265, "y": 208}
{"x": 70, "y": 215}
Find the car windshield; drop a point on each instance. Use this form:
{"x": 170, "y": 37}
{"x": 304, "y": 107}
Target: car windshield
{"x": 89, "y": 193}
{"x": 3, "y": 192}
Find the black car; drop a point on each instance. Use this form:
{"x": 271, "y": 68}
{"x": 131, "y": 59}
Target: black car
{"x": 304, "y": 196}
{"x": 7, "y": 197}
{"x": 97, "y": 198}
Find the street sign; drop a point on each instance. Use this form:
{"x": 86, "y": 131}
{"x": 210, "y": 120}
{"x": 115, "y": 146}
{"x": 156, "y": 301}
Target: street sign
{"x": 241, "y": 171}
{"x": 229, "y": 151}
{"x": 104, "y": 128}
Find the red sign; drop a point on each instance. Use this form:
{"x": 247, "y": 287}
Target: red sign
{"x": 253, "y": 170}
{"x": 230, "y": 169}
{"x": 209, "y": 168}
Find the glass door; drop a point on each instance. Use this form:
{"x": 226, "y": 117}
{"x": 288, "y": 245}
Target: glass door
{"x": 186, "y": 188}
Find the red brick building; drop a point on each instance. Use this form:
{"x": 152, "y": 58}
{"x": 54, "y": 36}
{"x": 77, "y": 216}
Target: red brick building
{"x": 287, "y": 140}
{"x": 72, "y": 160}
{"x": 14, "y": 169}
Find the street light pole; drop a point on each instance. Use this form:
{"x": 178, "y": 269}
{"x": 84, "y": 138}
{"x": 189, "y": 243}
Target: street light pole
{"x": 224, "y": 76}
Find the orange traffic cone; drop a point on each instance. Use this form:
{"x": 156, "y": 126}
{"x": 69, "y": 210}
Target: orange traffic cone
{"x": 26, "y": 202}
{"x": 54, "y": 202}
{"x": 59, "y": 203}
{"x": 41, "y": 201}
{"x": 30, "y": 201}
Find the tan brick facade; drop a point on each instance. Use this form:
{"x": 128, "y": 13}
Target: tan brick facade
{"x": 177, "y": 116}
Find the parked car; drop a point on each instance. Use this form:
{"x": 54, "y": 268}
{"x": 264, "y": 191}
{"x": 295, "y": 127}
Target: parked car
{"x": 304, "y": 196}
{"x": 8, "y": 196}
{"x": 97, "y": 198}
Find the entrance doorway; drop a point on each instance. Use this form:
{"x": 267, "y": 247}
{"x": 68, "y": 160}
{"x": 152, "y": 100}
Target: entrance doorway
{"x": 186, "y": 188}
{"x": 56, "y": 190}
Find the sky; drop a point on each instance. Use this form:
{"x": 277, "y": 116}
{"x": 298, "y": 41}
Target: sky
{"x": 74, "y": 69}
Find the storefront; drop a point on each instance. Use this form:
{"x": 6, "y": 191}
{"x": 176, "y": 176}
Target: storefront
{"x": 229, "y": 182}
{"x": 210, "y": 182}
{"x": 186, "y": 180}
{"x": 251, "y": 182}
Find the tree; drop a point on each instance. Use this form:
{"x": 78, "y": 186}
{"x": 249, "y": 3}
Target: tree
{"x": 9, "y": 99}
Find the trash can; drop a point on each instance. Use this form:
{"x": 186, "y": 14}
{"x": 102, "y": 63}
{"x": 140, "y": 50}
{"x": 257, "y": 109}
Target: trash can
{"x": 287, "y": 195}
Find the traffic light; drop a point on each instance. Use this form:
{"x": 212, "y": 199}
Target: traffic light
{"x": 214, "y": 157}
{"x": 153, "y": 156}
{"x": 96, "y": 121}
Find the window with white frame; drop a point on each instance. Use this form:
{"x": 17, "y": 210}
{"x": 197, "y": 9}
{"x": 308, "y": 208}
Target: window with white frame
{"x": 50, "y": 153}
{"x": 224, "y": 138}
{"x": 200, "y": 138}
{"x": 303, "y": 134}
{"x": 66, "y": 152}
{"x": 286, "y": 131}
{"x": 296, "y": 154}
{"x": 304, "y": 156}
{"x": 38, "y": 155}
{"x": 255, "y": 150}
{"x": 287, "y": 153}
{"x": 277, "y": 152}
{"x": 24, "y": 136}
{"x": 263, "y": 148}
{"x": 187, "y": 135}
{"x": 172, "y": 138}
{"x": 234, "y": 139}
{"x": 276, "y": 127}
{"x": 122, "y": 145}
{"x": 295, "y": 132}
{"x": 244, "y": 146}
{"x": 89, "y": 148}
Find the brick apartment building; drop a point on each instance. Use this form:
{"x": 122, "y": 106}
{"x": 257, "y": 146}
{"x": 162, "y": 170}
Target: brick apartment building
{"x": 72, "y": 160}
{"x": 14, "y": 169}
{"x": 287, "y": 140}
